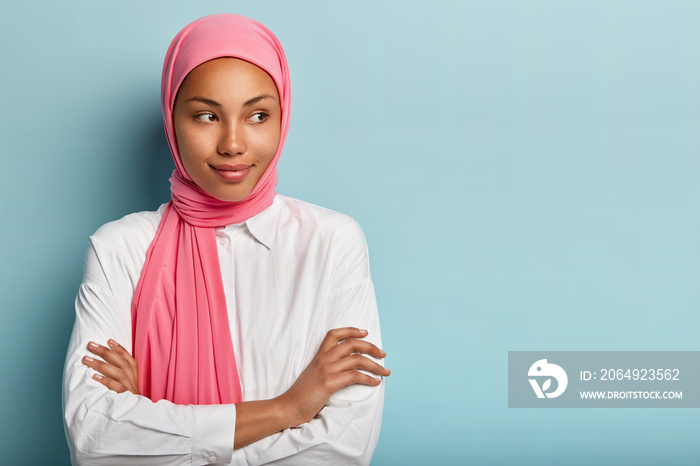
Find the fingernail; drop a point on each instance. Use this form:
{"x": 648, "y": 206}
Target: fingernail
{"x": 87, "y": 358}
{"x": 364, "y": 332}
{"x": 382, "y": 352}
{"x": 112, "y": 342}
{"x": 93, "y": 345}
{"x": 97, "y": 377}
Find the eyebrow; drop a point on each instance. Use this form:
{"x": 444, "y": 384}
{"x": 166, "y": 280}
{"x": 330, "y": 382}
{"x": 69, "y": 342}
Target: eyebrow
{"x": 257, "y": 99}
{"x": 204, "y": 100}
{"x": 214, "y": 103}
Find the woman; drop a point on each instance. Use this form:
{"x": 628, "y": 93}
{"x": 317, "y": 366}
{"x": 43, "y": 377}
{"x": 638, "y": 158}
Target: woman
{"x": 242, "y": 307}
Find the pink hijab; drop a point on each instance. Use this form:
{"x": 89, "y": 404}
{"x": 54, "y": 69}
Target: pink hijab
{"x": 181, "y": 334}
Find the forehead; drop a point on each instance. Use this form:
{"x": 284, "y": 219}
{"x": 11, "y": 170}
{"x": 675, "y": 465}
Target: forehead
{"x": 228, "y": 75}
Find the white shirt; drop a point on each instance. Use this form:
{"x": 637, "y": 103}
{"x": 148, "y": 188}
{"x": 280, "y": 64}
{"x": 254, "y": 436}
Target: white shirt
{"x": 290, "y": 274}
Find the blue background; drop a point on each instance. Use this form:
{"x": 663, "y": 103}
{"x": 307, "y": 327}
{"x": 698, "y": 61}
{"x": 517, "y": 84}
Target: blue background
{"x": 526, "y": 174}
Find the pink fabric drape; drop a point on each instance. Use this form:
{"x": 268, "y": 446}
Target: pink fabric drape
{"x": 181, "y": 334}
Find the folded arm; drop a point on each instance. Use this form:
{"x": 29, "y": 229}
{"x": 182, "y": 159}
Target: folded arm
{"x": 337, "y": 364}
{"x": 106, "y": 427}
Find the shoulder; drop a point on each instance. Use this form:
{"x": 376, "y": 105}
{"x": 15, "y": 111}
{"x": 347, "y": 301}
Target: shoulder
{"x": 315, "y": 217}
{"x": 131, "y": 233}
{"x": 312, "y": 221}
{"x": 336, "y": 235}
{"x": 117, "y": 251}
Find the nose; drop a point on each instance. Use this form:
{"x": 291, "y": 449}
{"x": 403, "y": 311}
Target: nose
{"x": 232, "y": 140}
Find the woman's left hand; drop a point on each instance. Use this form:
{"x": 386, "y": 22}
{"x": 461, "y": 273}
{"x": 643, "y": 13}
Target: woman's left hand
{"x": 118, "y": 371}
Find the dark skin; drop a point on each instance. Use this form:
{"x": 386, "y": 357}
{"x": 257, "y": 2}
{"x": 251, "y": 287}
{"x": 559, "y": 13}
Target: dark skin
{"x": 118, "y": 371}
{"x": 227, "y": 112}
{"x": 337, "y": 364}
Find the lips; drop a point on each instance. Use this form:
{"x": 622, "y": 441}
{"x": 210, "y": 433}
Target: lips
{"x": 237, "y": 172}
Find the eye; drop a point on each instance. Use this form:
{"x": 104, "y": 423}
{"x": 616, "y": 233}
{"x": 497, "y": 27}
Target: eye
{"x": 259, "y": 117}
{"x": 205, "y": 117}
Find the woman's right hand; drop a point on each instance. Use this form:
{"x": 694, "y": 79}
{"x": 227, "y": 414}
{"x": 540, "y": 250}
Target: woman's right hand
{"x": 117, "y": 370}
{"x": 337, "y": 364}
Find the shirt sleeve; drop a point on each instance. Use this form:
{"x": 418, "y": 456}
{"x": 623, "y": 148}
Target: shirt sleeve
{"x": 346, "y": 430}
{"x": 107, "y": 428}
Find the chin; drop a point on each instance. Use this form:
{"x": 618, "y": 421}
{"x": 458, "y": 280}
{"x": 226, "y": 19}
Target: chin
{"x": 228, "y": 192}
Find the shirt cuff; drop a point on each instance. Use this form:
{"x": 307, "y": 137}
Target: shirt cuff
{"x": 214, "y": 428}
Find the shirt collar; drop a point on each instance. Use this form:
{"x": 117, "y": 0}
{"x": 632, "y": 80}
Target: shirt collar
{"x": 263, "y": 226}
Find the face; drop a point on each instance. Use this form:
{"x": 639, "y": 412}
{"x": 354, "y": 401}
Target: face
{"x": 227, "y": 125}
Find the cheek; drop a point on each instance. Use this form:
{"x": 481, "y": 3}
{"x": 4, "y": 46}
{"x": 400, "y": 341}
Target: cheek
{"x": 270, "y": 144}
{"x": 271, "y": 150}
{"x": 192, "y": 147}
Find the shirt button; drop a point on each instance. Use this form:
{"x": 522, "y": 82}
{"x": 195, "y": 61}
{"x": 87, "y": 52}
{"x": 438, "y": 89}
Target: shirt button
{"x": 222, "y": 241}
{"x": 212, "y": 459}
